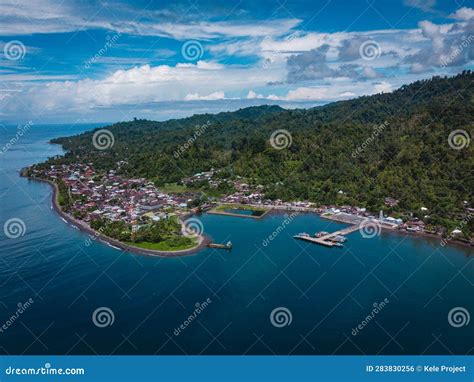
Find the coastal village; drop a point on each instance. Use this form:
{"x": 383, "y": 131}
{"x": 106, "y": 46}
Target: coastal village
{"x": 136, "y": 201}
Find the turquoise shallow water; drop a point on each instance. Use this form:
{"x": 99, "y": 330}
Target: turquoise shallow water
{"x": 326, "y": 291}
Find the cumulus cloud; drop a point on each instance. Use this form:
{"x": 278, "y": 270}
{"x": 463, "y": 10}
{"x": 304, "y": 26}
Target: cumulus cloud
{"x": 444, "y": 46}
{"x": 210, "y": 97}
{"x": 463, "y": 13}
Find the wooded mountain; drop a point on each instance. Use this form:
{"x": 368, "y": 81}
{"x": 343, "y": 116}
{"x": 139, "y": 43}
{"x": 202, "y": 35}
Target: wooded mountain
{"x": 371, "y": 147}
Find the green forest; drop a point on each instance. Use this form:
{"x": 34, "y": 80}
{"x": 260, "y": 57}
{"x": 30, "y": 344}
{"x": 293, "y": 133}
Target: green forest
{"x": 372, "y": 147}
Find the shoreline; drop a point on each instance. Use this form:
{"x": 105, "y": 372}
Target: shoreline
{"x": 116, "y": 244}
{"x": 203, "y": 240}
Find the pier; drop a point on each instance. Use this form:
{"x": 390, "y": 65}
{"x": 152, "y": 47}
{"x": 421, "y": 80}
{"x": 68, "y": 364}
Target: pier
{"x": 328, "y": 240}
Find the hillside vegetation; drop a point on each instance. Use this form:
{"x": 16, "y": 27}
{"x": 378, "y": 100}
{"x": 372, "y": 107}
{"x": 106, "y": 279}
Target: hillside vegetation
{"x": 393, "y": 144}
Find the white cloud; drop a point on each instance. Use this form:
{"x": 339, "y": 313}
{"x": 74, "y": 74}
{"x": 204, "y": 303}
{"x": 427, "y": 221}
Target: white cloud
{"x": 210, "y": 97}
{"x": 23, "y": 17}
{"x": 382, "y": 87}
{"x": 463, "y": 13}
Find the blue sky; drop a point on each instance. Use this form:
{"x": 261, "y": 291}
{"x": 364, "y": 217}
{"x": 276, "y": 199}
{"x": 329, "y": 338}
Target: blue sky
{"x": 87, "y": 61}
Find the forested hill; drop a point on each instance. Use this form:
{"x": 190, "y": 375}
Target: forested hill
{"x": 369, "y": 148}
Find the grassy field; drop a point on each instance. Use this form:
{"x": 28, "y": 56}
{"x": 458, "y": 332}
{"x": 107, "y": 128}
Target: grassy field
{"x": 223, "y": 207}
{"x": 162, "y": 246}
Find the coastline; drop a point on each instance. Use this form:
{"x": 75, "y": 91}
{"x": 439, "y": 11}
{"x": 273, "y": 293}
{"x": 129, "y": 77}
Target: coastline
{"x": 82, "y": 226}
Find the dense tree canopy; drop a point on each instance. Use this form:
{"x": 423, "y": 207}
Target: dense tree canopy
{"x": 371, "y": 147}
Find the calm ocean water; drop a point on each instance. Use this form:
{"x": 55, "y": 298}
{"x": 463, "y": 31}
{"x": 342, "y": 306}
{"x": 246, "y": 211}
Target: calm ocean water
{"x": 62, "y": 277}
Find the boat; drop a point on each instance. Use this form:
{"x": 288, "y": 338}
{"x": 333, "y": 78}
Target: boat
{"x": 338, "y": 239}
{"x": 321, "y": 234}
{"x": 227, "y": 245}
{"x": 301, "y": 234}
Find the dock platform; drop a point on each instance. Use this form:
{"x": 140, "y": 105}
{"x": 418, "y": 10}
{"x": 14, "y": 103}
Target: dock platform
{"x": 327, "y": 240}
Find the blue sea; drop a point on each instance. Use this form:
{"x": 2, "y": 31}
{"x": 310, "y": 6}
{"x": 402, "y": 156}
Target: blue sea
{"x": 65, "y": 293}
